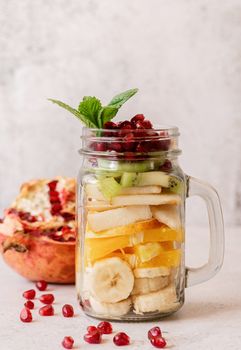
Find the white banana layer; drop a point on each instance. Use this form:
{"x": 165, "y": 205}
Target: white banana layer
{"x": 148, "y": 285}
{"x": 110, "y": 309}
{"x": 163, "y": 301}
{"x": 151, "y": 272}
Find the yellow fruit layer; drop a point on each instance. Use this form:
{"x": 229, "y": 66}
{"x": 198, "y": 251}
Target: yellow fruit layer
{"x": 170, "y": 258}
{"x": 97, "y": 248}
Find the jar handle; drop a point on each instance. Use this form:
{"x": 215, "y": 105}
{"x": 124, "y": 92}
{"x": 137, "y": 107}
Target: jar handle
{"x": 198, "y": 275}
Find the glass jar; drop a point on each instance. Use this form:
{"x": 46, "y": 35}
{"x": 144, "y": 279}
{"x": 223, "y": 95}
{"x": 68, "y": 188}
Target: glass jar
{"x": 130, "y": 255}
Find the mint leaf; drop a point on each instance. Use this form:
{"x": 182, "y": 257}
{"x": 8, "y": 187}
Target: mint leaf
{"x": 76, "y": 113}
{"x": 105, "y": 114}
{"x": 118, "y": 100}
{"x": 90, "y": 108}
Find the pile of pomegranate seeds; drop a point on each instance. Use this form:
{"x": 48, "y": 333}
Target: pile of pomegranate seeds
{"x": 41, "y": 285}
{"x": 29, "y": 294}
{"x": 68, "y": 310}
{"x": 54, "y": 199}
{"x": 121, "y": 339}
{"x": 68, "y": 342}
{"x": 136, "y": 135}
{"x": 47, "y": 298}
{"x": 156, "y": 338}
{"x": 29, "y": 305}
{"x": 46, "y": 310}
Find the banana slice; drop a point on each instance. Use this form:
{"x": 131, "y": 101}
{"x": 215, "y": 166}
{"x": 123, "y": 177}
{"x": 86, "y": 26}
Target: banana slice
{"x": 163, "y": 301}
{"x": 148, "y": 285}
{"x": 167, "y": 214}
{"x": 111, "y": 309}
{"x": 151, "y": 272}
{"x": 111, "y": 280}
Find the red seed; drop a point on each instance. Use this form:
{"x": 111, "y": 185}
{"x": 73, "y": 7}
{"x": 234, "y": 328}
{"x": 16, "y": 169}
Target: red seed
{"x": 110, "y": 125}
{"x": 93, "y": 337}
{"x": 92, "y": 329}
{"x": 52, "y": 185}
{"x": 68, "y": 342}
{"x": 29, "y": 305}
{"x": 147, "y": 124}
{"x": 56, "y": 208}
{"x": 100, "y": 146}
{"x": 126, "y": 124}
{"x": 29, "y": 294}
{"x": 46, "y": 310}
{"x": 154, "y": 332}
{"x": 41, "y": 285}
{"x": 68, "y": 310}
{"x": 25, "y": 315}
{"x": 158, "y": 342}
{"x": 166, "y": 166}
{"x": 137, "y": 117}
{"x": 105, "y": 327}
{"x": 47, "y": 298}
{"x": 121, "y": 339}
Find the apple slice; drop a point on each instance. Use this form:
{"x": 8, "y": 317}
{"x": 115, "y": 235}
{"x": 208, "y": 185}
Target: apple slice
{"x": 146, "y": 199}
{"x": 168, "y": 215}
{"x": 141, "y": 190}
{"x": 118, "y": 217}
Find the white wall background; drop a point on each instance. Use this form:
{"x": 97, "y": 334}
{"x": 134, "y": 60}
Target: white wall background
{"x": 184, "y": 55}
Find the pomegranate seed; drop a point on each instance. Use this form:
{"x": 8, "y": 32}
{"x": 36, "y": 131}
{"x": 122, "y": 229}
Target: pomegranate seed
{"x": 47, "y": 298}
{"x": 46, "y": 310}
{"x": 137, "y": 117}
{"x": 110, "y": 125}
{"x": 52, "y": 185}
{"x": 56, "y": 208}
{"x": 158, "y": 342}
{"x": 166, "y": 166}
{"x": 100, "y": 146}
{"x": 68, "y": 310}
{"x": 29, "y": 294}
{"x": 105, "y": 327}
{"x": 68, "y": 342}
{"x": 92, "y": 329}
{"x": 93, "y": 337}
{"x": 115, "y": 146}
{"x": 25, "y": 315}
{"x": 26, "y": 216}
{"x": 154, "y": 332}
{"x": 125, "y": 125}
{"x": 41, "y": 285}
{"x": 121, "y": 339}
{"x": 147, "y": 124}
{"x": 29, "y": 305}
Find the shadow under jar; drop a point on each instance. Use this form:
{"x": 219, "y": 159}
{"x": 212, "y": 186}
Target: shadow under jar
{"x": 131, "y": 222}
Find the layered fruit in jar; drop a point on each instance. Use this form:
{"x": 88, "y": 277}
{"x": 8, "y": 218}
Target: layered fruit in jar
{"x": 131, "y": 224}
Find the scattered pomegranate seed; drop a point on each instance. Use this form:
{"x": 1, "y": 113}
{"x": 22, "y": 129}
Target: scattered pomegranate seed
{"x": 93, "y": 337}
{"x": 52, "y": 185}
{"x": 47, "y": 298}
{"x": 46, "y": 310}
{"x": 41, "y": 285}
{"x": 92, "y": 329}
{"x": 105, "y": 327}
{"x": 29, "y": 294}
{"x": 68, "y": 310}
{"x": 29, "y": 305}
{"x": 154, "y": 332}
{"x": 68, "y": 342}
{"x": 121, "y": 339}
{"x": 25, "y": 315}
{"x": 137, "y": 117}
{"x": 158, "y": 342}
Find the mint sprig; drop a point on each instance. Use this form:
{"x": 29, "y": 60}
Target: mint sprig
{"x": 92, "y": 113}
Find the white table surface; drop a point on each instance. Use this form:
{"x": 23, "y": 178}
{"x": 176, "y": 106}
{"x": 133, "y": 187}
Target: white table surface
{"x": 210, "y": 318}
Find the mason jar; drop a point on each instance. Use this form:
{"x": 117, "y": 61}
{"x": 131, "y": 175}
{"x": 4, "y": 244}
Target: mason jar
{"x": 130, "y": 251}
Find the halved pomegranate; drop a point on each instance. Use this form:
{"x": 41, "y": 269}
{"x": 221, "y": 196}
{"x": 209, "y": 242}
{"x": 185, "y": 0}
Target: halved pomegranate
{"x": 36, "y": 244}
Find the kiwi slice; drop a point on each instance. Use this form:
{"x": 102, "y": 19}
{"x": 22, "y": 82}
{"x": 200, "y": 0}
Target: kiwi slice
{"x": 175, "y": 185}
{"x": 125, "y": 166}
{"x": 157, "y": 178}
{"x": 109, "y": 187}
{"x": 128, "y": 179}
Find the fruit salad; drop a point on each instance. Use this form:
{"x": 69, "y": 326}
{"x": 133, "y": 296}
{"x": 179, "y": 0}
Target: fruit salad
{"x": 130, "y": 247}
